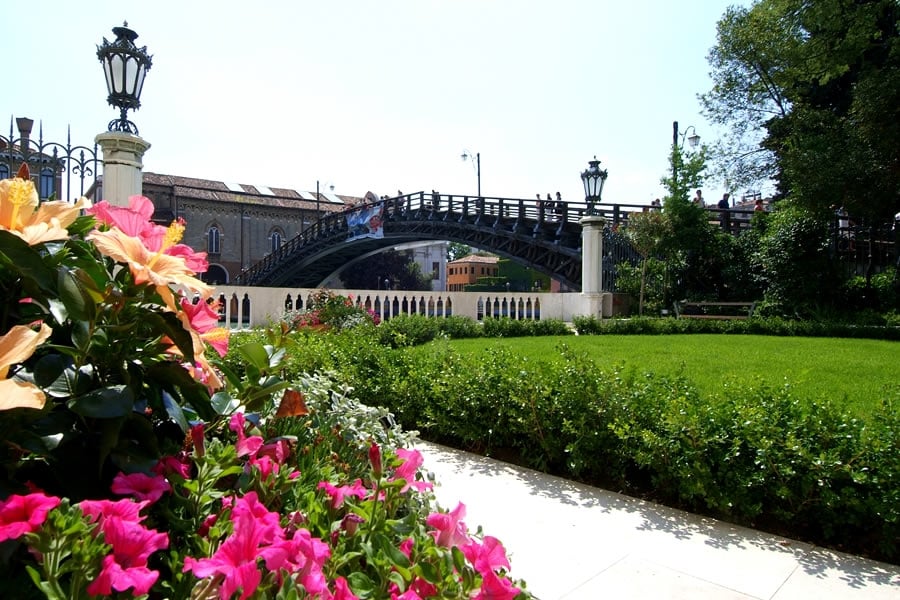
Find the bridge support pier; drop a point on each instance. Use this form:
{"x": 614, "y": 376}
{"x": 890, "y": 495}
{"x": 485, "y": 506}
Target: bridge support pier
{"x": 597, "y": 302}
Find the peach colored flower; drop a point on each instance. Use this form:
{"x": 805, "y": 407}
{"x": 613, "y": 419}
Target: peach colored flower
{"x": 17, "y": 345}
{"x": 147, "y": 266}
{"x": 22, "y": 213}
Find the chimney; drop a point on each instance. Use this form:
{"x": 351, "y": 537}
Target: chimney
{"x": 24, "y": 124}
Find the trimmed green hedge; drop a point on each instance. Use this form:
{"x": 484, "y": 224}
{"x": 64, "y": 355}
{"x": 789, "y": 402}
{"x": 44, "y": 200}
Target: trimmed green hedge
{"x": 754, "y": 325}
{"x": 756, "y": 456}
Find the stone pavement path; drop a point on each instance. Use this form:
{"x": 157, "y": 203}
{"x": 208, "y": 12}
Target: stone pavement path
{"x": 571, "y": 541}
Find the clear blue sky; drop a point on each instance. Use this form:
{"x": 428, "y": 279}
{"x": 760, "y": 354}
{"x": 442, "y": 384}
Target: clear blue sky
{"x": 382, "y": 95}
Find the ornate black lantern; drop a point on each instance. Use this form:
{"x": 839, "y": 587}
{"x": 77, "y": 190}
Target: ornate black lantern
{"x": 593, "y": 178}
{"x": 125, "y": 66}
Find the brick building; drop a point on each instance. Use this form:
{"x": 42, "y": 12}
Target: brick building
{"x": 466, "y": 271}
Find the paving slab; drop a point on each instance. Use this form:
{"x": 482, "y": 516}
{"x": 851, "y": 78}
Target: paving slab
{"x": 570, "y": 541}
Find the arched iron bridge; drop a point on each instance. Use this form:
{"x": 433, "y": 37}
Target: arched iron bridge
{"x": 541, "y": 235}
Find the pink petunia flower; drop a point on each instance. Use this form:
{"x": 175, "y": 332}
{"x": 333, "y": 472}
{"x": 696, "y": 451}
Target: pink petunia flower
{"x": 198, "y": 439}
{"x": 303, "y": 555}
{"x": 375, "y": 459}
{"x": 266, "y": 466}
{"x": 494, "y": 587}
{"x": 234, "y": 560}
{"x": 412, "y": 460}
{"x": 338, "y": 493}
{"x": 487, "y": 555}
{"x": 449, "y": 528}
{"x": 168, "y": 465}
{"x": 141, "y": 486}
{"x": 423, "y": 588}
{"x": 113, "y": 577}
{"x": 278, "y": 451}
{"x": 127, "y": 510}
{"x": 409, "y": 594}
{"x": 24, "y": 514}
{"x": 342, "y": 590}
{"x": 132, "y": 544}
{"x": 246, "y": 446}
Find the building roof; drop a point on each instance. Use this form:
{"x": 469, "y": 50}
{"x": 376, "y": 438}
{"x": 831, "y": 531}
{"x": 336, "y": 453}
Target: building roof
{"x": 207, "y": 189}
{"x": 476, "y": 258}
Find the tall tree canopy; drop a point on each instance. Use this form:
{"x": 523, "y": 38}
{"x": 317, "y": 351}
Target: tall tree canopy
{"x": 810, "y": 92}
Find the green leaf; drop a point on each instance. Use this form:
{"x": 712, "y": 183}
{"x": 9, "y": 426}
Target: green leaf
{"x": 179, "y": 382}
{"x": 168, "y": 323}
{"x": 173, "y": 409}
{"x": 78, "y": 302}
{"x": 54, "y": 373}
{"x": 361, "y": 585}
{"x": 397, "y": 558}
{"x": 81, "y": 335}
{"x": 428, "y": 571}
{"x": 106, "y": 403}
{"x": 223, "y": 403}
{"x": 256, "y": 354}
{"x": 22, "y": 258}
{"x": 459, "y": 559}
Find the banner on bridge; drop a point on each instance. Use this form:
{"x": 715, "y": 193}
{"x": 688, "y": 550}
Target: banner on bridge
{"x": 366, "y": 222}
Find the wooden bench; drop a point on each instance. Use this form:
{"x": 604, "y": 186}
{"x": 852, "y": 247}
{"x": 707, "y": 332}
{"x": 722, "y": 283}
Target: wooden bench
{"x": 714, "y": 310}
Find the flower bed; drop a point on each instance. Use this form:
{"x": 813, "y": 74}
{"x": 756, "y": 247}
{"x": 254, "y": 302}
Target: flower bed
{"x": 138, "y": 465}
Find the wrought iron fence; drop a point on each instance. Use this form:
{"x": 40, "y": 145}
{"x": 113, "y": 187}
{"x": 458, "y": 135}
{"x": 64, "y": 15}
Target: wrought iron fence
{"x": 59, "y": 171}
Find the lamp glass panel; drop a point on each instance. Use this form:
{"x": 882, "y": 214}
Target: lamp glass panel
{"x": 107, "y": 72}
{"x": 117, "y": 66}
{"x": 131, "y": 75}
{"x": 140, "y": 81}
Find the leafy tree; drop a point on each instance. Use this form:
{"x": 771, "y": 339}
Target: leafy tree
{"x": 457, "y": 250}
{"x": 692, "y": 248}
{"x": 810, "y": 92}
{"x": 793, "y": 262}
{"x": 647, "y": 231}
{"x": 398, "y": 267}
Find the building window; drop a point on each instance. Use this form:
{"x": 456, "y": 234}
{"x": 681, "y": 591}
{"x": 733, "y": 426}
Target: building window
{"x": 213, "y": 241}
{"x": 46, "y": 183}
{"x": 275, "y": 240}
{"x": 435, "y": 270}
{"x": 4, "y": 172}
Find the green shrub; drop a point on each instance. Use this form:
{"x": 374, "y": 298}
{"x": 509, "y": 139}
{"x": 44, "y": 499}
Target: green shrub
{"x": 408, "y": 330}
{"x": 506, "y": 327}
{"x": 754, "y": 455}
{"x": 775, "y": 326}
{"x": 458, "y": 327}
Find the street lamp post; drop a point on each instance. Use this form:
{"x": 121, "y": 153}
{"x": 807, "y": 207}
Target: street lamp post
{"x": 125, "y": 66}
{"x": 466, "y": 155}
{"x": 593, "y": 178}
{"x": 693, "y": 140}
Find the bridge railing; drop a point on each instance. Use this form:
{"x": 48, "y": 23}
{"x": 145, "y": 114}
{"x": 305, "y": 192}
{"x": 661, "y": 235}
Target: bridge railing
{"x": 540, "y": 215}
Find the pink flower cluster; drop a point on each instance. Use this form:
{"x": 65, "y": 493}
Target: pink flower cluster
{"x": 132, "y": 544}
{"x": 258, "y": 534}
{"x": 486, "y": 555}
{"x": 24, "y": 514}
{"x": 260, "y": 543}
{"x": 120, "y": 523}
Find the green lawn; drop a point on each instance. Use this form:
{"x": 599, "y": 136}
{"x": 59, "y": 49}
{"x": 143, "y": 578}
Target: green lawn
{"x": 854, "y": 372}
